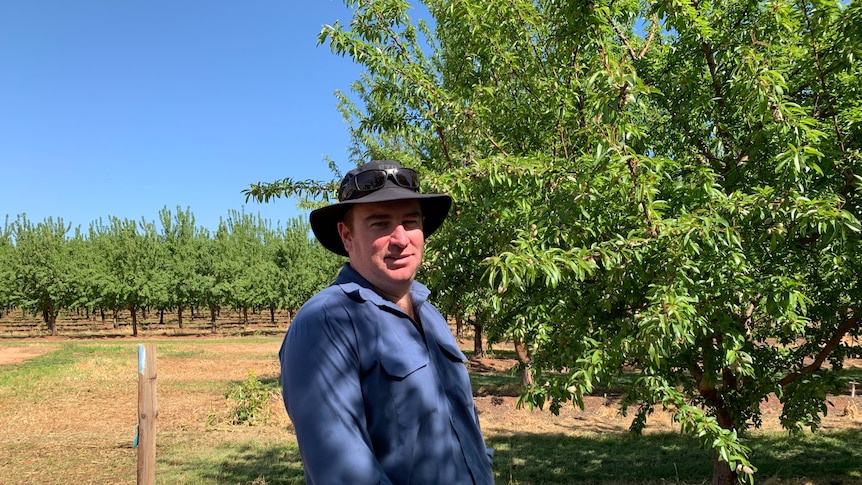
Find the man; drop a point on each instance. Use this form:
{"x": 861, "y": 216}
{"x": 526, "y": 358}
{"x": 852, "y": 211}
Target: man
{"x": 373, "y": 380}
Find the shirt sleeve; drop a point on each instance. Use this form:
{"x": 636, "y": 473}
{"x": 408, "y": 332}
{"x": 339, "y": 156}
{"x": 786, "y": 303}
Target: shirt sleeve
{"x": 320, "y": 371}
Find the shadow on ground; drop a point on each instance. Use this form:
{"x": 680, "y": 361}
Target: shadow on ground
{"x": 833, "y": 458}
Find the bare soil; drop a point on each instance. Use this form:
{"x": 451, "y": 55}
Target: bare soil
{"x": 15, "y": 355}
{"x": 600, "y": 413}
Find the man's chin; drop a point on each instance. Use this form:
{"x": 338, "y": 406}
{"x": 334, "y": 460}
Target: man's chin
{"x": 402, "y": 273}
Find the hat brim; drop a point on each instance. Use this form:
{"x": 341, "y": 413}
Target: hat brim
{"x": 324, "y": 221}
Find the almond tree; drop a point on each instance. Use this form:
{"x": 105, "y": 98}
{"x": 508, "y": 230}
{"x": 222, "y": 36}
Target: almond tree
{"x": 215, "y": 270}
{"x": 182, "y": 240}
{"x": 666, "y": 187}
{"x": 249, "y": 272}
{"x": 41, "y": 268}
{"x": 83, "y": 281}
{"x": 7, "y": 276}
{"x": 305, "y": 267}
{"x": 129, "y": 253}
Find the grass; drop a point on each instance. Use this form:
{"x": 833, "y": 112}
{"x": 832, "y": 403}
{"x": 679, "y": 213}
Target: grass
{"x": 242, "y": 460}
{"x": 532, "y": 459}
{"x": 833, "y": 454}
{"x": 68, "y": 417}
{"x": 521, "y": 458}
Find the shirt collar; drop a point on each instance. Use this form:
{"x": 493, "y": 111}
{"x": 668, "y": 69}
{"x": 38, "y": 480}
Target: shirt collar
{"x": 353, "y": 283}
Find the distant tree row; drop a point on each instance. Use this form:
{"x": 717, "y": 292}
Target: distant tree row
{"x": 123, "y": 264}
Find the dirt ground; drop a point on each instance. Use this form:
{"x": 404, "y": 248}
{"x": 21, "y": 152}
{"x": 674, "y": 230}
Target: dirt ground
{"x": 15, "y": 355}
{"x": 600, "y": 413}
{"x": 498, "y": 414}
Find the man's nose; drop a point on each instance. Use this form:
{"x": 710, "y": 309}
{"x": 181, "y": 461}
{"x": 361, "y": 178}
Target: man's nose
{"x": 399, "y": 236}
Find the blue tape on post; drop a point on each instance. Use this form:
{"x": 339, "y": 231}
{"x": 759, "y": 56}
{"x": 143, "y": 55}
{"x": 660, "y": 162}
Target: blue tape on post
{"x": 142, "y": 358}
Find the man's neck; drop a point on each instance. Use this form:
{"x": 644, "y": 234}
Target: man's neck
{"x": 398, "y": 294}
{"x": 404, "y": 302}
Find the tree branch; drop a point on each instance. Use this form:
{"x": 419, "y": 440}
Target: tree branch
{"x": 845, "y": 327}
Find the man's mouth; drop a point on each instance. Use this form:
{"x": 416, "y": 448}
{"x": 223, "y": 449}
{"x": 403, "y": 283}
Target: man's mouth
{"x": 397, "y": 257}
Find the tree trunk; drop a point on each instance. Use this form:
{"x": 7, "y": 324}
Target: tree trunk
{"x": 478, "y": 348}
{"x": 523, "y": 354}
{"x": 134, "y": 312}
{"x": 102, "y": 314}
{"x": 180, "y": 316}
{"x": 459, "y": 326}
{"x": 50, "y": 320}
{"x": 116, "y": 317}
{"x": 213, "y": 318}
{"x": 245, "y": 315}
{"x": 161, "y": 317}
{"x": 721, "y": 472}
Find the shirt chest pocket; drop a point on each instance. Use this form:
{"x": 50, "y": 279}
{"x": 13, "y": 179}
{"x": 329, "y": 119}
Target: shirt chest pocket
{"x": 455, "y": 372}
{"x": 408, "y": 380}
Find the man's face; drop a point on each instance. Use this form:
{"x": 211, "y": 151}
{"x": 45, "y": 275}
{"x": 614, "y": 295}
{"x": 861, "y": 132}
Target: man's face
{"x": 385, "y": 243}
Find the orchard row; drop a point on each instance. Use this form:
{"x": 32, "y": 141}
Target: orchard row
{"x": 122, "y": 264}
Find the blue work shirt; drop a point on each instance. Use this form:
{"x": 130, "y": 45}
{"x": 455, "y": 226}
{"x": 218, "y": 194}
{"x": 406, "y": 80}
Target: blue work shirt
{"x": 373, "y": 398}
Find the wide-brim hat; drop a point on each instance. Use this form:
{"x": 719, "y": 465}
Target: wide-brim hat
{"x": 324, "y": 221}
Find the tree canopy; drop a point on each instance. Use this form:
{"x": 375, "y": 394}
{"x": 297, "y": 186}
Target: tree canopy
{"x": 663, "y": 188}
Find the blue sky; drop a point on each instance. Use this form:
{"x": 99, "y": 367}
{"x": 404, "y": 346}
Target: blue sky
{"x": 120, "y": 108}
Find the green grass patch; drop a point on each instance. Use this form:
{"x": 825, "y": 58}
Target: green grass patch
{"x": 832, "y": 457}
{"x": 180, "y": 353}
{"x": 533, "y": 459}
{"x": 238, "y": 461}
{"x": 833, "y": 454}
{"x": 555, "y": 458}
{"x": 23, "y": 376}
{"x": 498, "y": 384}
{"x": 854, "y": 374}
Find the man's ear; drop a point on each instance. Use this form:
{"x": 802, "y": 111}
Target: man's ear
{"x": 346, "y": 238}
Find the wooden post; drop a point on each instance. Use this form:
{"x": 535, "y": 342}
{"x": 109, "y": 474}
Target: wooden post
{"x": 148, "y": 411}
{"x": 853, "y": 389}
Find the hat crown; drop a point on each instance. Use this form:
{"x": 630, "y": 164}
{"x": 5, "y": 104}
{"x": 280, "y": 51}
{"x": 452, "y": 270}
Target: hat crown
{"x": 393, "y": 177}
{"x": 324, "y": 220}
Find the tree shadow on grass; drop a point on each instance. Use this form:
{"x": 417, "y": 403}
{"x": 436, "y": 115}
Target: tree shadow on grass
{"x": 828, "y": 458}
{"x": 246, "y": 463}
{"x": 609, "y": 458}
{"x": 836, "y": 455}
{"x": 833, "y": 458}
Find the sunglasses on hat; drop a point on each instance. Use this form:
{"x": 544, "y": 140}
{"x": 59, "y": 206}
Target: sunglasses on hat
{"x": 371, "y": 180}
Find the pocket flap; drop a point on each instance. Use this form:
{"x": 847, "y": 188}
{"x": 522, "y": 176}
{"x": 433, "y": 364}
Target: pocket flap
{"x": 400, "y": 363}
{"x": 452, "y": 351}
